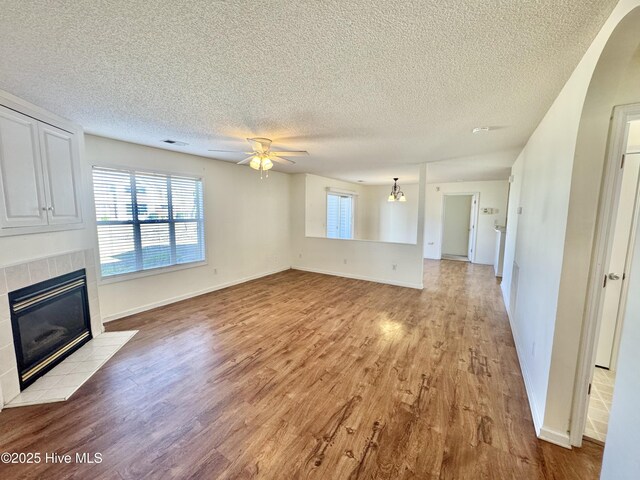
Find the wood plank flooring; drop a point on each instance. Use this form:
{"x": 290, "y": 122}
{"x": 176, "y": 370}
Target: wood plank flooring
{"x": 299, "y": 375}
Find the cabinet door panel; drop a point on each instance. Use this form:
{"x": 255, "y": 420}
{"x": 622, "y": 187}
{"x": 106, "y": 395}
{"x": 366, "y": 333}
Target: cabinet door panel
{"x": 21, "y": 183}
{"x": 59, "y": 152}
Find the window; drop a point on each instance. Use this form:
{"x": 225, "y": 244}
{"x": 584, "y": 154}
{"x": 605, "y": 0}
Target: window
{"x": 339, "y": 215}
{"x": 147, "y": 220}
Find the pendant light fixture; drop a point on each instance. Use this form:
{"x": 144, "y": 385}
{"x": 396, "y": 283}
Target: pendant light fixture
{"x": 396, "y": 194}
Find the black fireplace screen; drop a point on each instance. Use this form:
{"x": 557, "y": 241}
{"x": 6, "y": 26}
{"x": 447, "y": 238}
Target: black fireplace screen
{"x": 50, "y": 321}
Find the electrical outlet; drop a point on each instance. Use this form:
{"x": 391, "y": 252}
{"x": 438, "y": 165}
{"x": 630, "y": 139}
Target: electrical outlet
{"x": 345, "y": 261}
{"x": 215, "y": 271}
{"x": 299, "y": 255}
{"x": 394, "y": 267}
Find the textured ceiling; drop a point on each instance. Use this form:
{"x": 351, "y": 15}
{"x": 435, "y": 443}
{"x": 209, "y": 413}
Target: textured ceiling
{"x": 367, "y": 87}
{"x": 490, "y": 166}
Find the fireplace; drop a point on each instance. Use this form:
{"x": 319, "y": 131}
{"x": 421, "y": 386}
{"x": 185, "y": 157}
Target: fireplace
{"x": 50, "y": 320}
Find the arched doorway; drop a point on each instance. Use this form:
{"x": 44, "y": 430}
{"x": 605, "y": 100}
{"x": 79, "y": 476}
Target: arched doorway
{"x": 588, "y": 245}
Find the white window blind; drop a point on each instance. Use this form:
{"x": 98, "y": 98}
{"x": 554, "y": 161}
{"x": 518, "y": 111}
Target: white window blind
{"x": 339, "y": 216}
{"x": 147, "y": 220}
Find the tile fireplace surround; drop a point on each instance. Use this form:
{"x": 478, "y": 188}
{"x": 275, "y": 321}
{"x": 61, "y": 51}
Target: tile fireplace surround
{"x": 22, "y": 275}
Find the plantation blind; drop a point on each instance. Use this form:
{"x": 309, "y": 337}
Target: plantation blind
{"x": 147, "y": 220}
{"x": 339, "y": 216}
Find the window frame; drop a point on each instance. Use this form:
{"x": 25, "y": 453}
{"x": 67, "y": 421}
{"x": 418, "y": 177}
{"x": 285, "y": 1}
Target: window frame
{"x": 104, "y": 280}
{"x": 353, "y": 197}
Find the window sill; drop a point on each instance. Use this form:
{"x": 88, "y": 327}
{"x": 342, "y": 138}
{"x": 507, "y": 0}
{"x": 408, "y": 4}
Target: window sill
{"x": 123, "y": 277}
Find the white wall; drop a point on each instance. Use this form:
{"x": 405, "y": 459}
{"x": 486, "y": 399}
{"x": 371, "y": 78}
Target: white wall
{"x": 364, "y": 259}
{"x": 493, "y": 194}
{"x": 375, "y": 218}
{"x": 316, "y": 202}
{"x": 621, "y": 460}
{"x": 551, "y": 241}
{"x": 246, "y": 226}
{"x": 391, "y": 221}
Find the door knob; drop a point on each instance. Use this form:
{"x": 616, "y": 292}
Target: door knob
{"x": 613, "y": 276}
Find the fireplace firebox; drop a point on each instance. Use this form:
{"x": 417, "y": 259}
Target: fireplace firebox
{"x": 50, "y": 321}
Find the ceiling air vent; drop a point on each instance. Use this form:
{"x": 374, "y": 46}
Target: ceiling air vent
{"x": 175, "y": 142}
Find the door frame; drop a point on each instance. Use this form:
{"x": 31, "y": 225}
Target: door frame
{"x": 473, "y": 233}
{"x": 607, "y": 207}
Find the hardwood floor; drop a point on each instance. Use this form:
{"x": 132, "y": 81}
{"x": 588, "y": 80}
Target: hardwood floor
{"x": 300, "y": 375}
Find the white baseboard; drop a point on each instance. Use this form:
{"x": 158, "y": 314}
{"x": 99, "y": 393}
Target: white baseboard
{"x": 418, "y": 286}
{"x": 553, "y": 436}
{"x": 533, "y": 405}
{"x": 161, "y": 303}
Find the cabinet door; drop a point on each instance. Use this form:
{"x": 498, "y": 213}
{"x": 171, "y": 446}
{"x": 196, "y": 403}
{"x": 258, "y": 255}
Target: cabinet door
{"x": 59, "y": 150}
{"x": 22, "y": 198}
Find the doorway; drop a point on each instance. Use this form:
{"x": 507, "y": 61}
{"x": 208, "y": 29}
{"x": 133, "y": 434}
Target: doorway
{"x": 458, "y": 226}
{"x": 613, "y": 294}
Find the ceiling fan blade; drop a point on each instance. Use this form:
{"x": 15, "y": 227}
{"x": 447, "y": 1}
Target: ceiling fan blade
{"x": 278, "y": 159}
{"x": 245, "y": 161}
{"x": 296, "y": 153}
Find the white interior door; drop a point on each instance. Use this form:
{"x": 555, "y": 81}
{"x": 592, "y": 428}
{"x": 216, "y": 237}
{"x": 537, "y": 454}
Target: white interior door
{"x": 616, "y": 271}
{"x": 456, "y": 225}
{"x": 22, "y": 197}
{"x": 472, "y": 227}
{"x": 60, "y": 158}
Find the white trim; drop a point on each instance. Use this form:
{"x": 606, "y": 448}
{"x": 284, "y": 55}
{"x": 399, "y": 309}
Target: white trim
{"x": 150, "y": 171}
{"x": 624, "y": 294}
{"x": 341, "y": 191}
{"x": 22, "y": 106}
{"x": 524, "y": 370}
{"x": 364, "y": 240}
{"x": 553, "y": 436}
{"x": 123, "y": 277}
{"x": 544, "y": 433}
{"x": 418, "y": 286}
{"x": 608, "y": 204}
{"x": 161, "y": 303}
{"x": 13, "y": 231}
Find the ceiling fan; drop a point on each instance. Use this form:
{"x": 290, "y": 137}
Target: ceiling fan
{"x": 262, "y": 157}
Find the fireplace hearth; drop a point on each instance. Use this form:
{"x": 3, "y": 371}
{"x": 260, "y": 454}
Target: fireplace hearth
{"x": 50, "y": 320}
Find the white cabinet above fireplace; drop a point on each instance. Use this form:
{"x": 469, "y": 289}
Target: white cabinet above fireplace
{"x": 39, "y": 172}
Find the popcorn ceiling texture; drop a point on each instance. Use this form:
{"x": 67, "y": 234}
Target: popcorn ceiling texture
{"x": 362, "y": 85}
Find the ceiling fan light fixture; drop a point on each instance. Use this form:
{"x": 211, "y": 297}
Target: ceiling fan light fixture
{"x": 255, "y": 162}
{"x": 262, "y": 158}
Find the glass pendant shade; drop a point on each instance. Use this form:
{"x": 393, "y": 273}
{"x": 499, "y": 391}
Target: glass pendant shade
{"x": 391, "y": 198}
{"x": 255, "y": 163}
{"x": 267, "y": 164}
{"x": 403, "y": 198}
